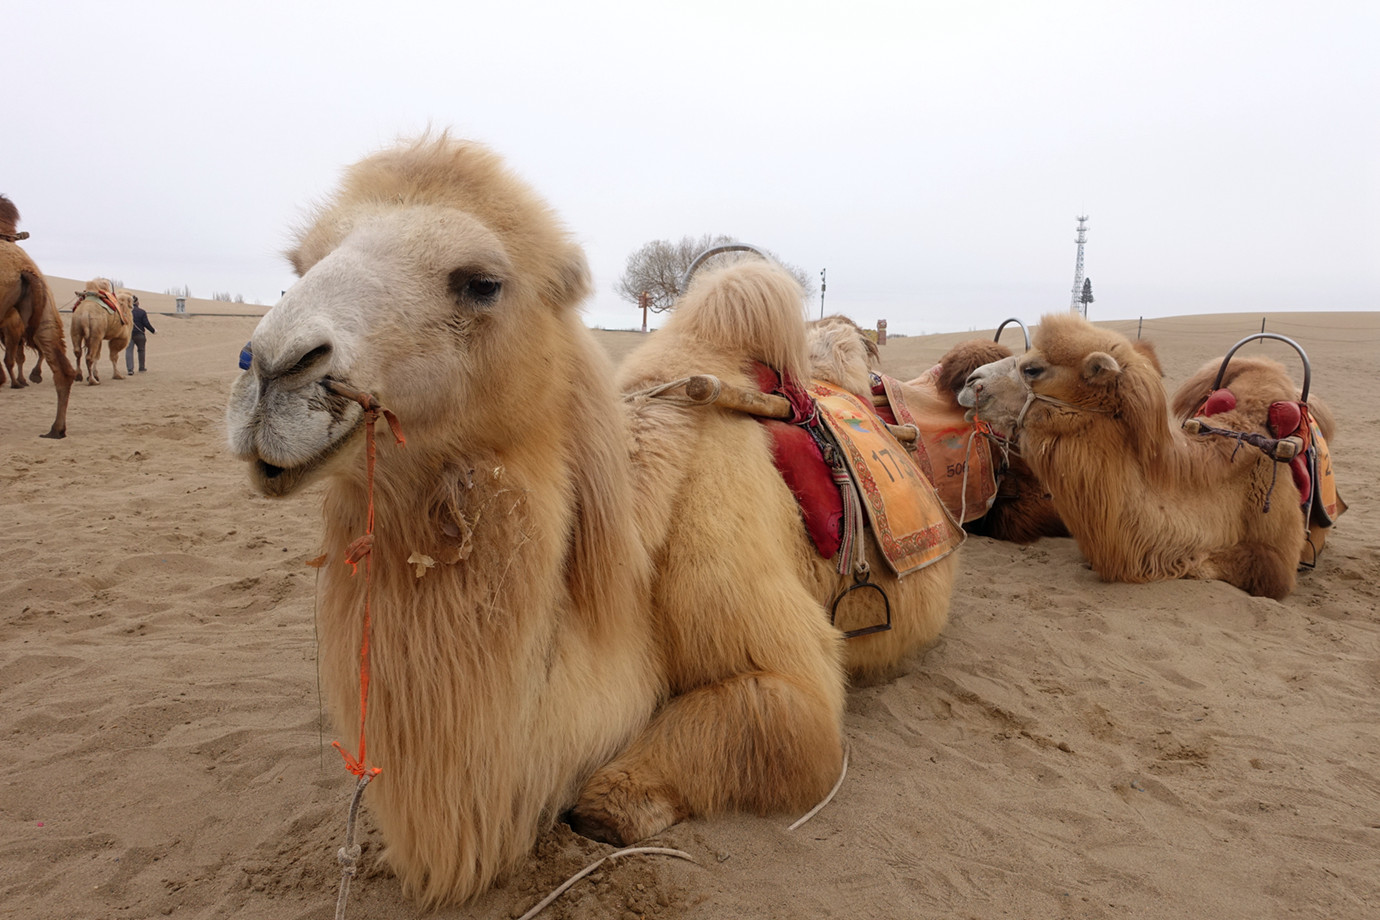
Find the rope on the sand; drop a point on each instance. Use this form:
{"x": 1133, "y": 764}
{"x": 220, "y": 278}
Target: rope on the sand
{"x": 828, "y": 798}
{"x": 565, "y": 886}
{"x": 348, "y": 855}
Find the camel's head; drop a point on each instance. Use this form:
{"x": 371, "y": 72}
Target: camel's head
{"x": 1073, "y": 371}
{"x": 434, "y": 280}
{"x": 842, "y": 354}
{"x": 1076, "y": 372}
{"x": 9, "y": 216}
{"x": 959, "y": 362}
{"x": 993, "y": 393}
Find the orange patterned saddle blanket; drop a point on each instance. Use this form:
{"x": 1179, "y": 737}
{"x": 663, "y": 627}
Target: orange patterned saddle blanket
{"x": 911, "y": 524}
{"x": 959, "y": 464}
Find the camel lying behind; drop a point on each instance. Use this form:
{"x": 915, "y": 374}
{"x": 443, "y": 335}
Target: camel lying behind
{"x": 1194, "y": 391}
{"x": 1018, "y": 507}
{"x": 575, "y": 600}
{"x": 25, "y": 295}
{"x": 1144, "y": 500}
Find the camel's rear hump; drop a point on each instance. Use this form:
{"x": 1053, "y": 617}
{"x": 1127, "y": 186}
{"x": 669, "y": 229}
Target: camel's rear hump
{"x": 753, "y": 308}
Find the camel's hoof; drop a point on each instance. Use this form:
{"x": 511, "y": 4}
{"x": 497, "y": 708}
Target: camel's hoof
{"x": 55, "y": 435}
{"x": 119, "y": 376}
{"x": 617, "y": 810}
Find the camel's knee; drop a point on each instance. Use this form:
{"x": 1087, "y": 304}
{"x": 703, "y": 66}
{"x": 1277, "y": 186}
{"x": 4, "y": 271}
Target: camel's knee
{"x": 1274, "y": 576}
{"x": 780, "y": 738}
{"x": 1260, "y": 570}
{"x": 756, "y": 742}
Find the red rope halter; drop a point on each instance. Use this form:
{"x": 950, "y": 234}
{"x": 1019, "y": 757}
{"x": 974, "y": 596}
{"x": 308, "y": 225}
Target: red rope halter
{"x": 361, "y": 549}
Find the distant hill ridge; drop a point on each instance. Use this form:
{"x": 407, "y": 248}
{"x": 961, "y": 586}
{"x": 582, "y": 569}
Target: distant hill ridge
{"x": 64, "y": 292}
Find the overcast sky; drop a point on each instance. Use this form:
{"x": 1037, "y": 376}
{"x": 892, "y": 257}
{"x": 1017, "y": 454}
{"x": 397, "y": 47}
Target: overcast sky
{"x": 932, "y": 156}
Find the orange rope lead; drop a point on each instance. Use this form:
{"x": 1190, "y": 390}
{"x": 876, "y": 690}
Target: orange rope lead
{"x": 362, "y": 549}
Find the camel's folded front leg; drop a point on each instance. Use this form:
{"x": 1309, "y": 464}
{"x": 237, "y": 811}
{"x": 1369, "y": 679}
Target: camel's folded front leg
{"x": 762, "y": 742}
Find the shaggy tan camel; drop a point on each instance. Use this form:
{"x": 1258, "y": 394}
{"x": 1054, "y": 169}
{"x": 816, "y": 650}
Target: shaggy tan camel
{"x": 24, "y": 293}
{"x": 741, "y": 597}
{"x": 995, "y": 494}
{"x": 98, "y": 317}
{"x": 520, "y": 639}
{"x": 1145, "y": 500}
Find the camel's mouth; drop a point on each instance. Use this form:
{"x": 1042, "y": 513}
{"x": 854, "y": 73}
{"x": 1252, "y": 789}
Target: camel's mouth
{"x": 277, "y": 481}
{"x": 973, "y": 396}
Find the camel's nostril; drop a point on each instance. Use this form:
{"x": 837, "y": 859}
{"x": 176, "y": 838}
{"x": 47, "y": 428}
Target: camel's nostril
{"x": 310, "y": 359}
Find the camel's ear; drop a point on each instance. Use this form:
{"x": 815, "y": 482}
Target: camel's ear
{"x": 1147, "y": 350}
{"x": 571, "y": 283}
{"x": 1100, "y": 367}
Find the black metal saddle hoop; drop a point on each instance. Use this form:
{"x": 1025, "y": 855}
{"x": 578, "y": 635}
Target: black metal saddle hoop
{"x": 714, "y": 251}
{"x": 863, "y": 582}
{"x": 1007, "y": 322}
{"x": 1307, "y": 368}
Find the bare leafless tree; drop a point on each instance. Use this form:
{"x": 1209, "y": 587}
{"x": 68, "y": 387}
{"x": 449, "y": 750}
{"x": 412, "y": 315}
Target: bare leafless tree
{"x": 659, "y": 266}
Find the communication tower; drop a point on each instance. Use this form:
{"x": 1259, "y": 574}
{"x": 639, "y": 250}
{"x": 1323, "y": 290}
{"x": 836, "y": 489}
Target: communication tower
{"x": 1077, "y": 305}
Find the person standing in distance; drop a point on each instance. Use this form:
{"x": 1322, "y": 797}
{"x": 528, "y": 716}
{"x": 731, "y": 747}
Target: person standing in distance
{"x": 137, "y": 337}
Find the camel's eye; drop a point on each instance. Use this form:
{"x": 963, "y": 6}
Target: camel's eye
{"x": 474, "y": 288}
{"x": 484, "y": 288}
{"x": 1031, "y": 371}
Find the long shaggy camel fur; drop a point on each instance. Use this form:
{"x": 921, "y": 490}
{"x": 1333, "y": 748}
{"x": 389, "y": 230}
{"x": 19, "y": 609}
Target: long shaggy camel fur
{"x": 1021, "y": 510}
{"x": 517, "y": 645}
{"x": 24, "y": 294}
{"x": 1144, "y": 500}
{"x": 93, "y": 325}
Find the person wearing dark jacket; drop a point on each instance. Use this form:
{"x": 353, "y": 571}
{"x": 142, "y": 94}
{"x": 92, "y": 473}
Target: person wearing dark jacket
{"x": 137, "y": 337}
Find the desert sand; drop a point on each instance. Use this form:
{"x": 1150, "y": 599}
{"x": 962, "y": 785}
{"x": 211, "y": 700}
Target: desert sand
{"x": 1070, "y": 748}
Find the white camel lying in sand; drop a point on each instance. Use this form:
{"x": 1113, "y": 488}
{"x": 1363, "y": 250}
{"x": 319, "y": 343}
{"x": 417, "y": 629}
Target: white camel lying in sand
{"x": 576, "y": 602}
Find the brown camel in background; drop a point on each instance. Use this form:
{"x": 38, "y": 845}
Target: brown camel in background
{"x": 1145, "y": 500}
{"x": 24, "y": 293}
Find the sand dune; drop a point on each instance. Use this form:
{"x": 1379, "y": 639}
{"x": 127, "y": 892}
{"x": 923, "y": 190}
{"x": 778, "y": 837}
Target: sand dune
{"x": 1070, "y": 748}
